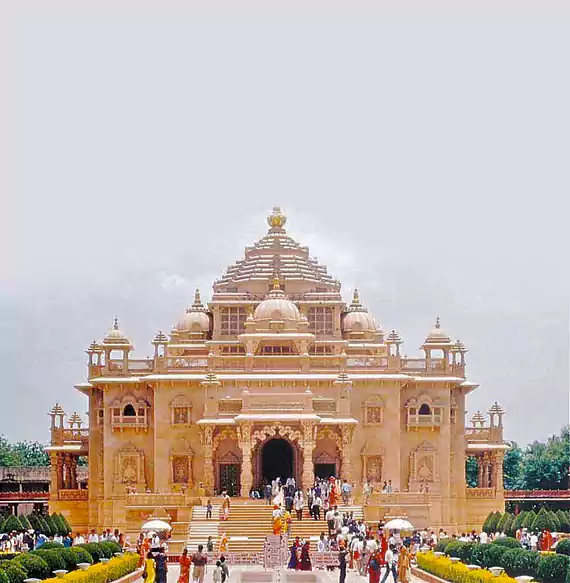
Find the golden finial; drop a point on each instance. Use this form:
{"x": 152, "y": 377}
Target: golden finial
{"x": 276, "y": 220}
{"x": 276, "y": 284}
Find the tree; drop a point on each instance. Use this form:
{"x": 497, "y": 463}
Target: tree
{"x": 563, "y": 520}
{"x": 67, "y": 525}
{"x": 471, "y": 471}
{"x": 493, "y": 522}
{"x": 529, "y": 519}
{"x": 518, "y": 522}
{"x": 545, "y": 465}
{"x": 12, "y": 523}
{"x": 25, "y": 522}
{"x": 502, "y": 522}
{"x": 513, "y": 468}
{"x": 554, "y": 520}
{"x": 31, "y": 453}
{"x": 542, "y": 521}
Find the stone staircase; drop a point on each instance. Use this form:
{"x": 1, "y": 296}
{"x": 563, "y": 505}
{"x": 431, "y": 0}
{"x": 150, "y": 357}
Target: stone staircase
{"x": 201, "y": 528}
{"x": 251, "y": 521}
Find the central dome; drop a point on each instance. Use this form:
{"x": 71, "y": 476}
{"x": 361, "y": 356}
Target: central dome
{"x": 277, "y": 307}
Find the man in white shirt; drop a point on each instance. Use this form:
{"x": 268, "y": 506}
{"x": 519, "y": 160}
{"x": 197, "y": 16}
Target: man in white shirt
{"x": 390, "y": 559}
{"x": 322, "y": 544}
{"x": 317, "y": 505}
{"x": 329, "y": 517}
{"x": 483, "y": 538}
{"x": 93, "y": 538}
{"x": 533, "y": 542}
{"x": 79, "y": 539}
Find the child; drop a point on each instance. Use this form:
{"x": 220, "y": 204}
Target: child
{"x": 208, "y": 510}
{"x": 217, "y": 574}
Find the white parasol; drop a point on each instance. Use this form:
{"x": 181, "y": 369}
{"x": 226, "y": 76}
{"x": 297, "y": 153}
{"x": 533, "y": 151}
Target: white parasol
{"x": 156, "y": 524}
{"x": 399, "y": 524}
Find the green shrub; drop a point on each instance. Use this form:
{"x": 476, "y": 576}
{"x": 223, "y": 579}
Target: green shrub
{"x": 112, "y": 546}
{"x": 452, "y": 548}
{"x": 493, "y": 522}
{"x": 527, "y": 563}
{"x": 50, "y": 544}
{"x": 529, "y": 519}
{"x": 466, "y": 551}
{"x": 552, "y": 568}
{"x": 518, "y": 521}
{"x": 105, "y": 550}
{"x": 65, "y": 523}
{"x": 51, "y": 557}
{"x": 502, "y": 524}
{"x": 563, "y": 520}
{"x": 492, "y": 555}
{"x": 511, "y": 543}
{"x": 35, "y": 567}
{"x": 543, "y": 522}
{"x": 478, "y": 555}
{"x": 3, "y": 577}
{"x": 14, "y": 571}
{"x": 485, "y": 527}
{"x": 94, "y": 550}
{"x": 25, "y": 522}
{"x": 8, "y": 556}
{"x": 441, "y": 544}
{"x": 563, "y": 547}
{"x": 81, "y": 555}
{"x": 12, "y": 523}
{"x": 509, "y": 561}
{"x": 70, "y": 559}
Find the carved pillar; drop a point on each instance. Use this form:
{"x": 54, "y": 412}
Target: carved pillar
{"x": 499, "y": 471}
{"x": 346, "y": 463}
{"x": 66, "y": 471}
{"x": 244, "y": 440}
{"x": 73, "y": 470}
{"x": 308, "y": 445}
{"x": 207, "y": 442}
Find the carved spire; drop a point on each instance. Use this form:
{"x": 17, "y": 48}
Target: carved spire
{"x": 276, "y": 220}
{"x": 197, "y": 300}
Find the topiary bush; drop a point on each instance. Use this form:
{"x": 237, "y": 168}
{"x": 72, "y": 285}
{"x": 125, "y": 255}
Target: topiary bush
{"x": 466, "y": 551}
{"x": 492, "y": 555}
{"x": 509, "y": 542}
{"x": 81, "y": 555}
{"x": 518, "y": 521}
{"x": 441, "y": 544}
{"x": 478, "y": 555}
{"x": 543, "y": 522}
{"x": 563, "y": 520}
{"x": 563, "y": 547}
{"x": 94, "y": 550}
{"x": 552, "y": 568}
{"x": 35, "y": 567}
{"x": 510, "y": 561}
{"x": 50, "y": 544}
{"x": 452, "y": 548}
{"x": 529, "y": 519}
{"x": 105, "y": 550}
{"x": 113, "y": 546}
{"x": 14, "y": 571}
{"x": 70, "y": 559}
{"x": 3, "y": 577}
{"x": 51, "y": 557}
{"x": 11, "y": 524}
{"x": 527, "y": 563}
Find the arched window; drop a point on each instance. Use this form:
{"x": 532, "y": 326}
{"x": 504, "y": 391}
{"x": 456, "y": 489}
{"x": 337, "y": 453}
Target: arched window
{"x": 424, "y": 409}
{"x": 129, "y": 411}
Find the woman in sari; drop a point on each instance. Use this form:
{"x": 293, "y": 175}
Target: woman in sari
{"x": 374, "y": 567}
{"x": 224, "y": 543}
{"x": 305, "y": 559}
{"x": 293, "y": 558}
{"x": 185, "y": 563}
{"x": 144, "y": 550}
{"x": 404, "y": 565}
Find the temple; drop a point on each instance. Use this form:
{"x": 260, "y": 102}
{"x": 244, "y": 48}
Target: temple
{"x": 276, "y": 375}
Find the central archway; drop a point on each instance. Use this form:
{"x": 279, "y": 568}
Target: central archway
{"x": 277, "y": 460}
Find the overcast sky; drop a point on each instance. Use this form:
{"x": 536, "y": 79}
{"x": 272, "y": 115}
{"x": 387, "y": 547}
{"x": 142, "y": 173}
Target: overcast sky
{"x": 424, "y": 160}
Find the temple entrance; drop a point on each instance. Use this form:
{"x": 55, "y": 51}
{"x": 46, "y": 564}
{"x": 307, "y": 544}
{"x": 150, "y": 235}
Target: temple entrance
{"x": 325, "y": 471}
{"x": 277, "y": 460}
{"x": 229, "y": 478}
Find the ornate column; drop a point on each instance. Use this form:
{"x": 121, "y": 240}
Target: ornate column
{"x": 67, "y": 471}
{"x": 207, "y": 443}
{"x": 308, "y": 444}
{"x": 245, "y": 441}
{"x": 346, "y": 462}
{"x": 499, "y": 471}
{"x": 73, "y": 469}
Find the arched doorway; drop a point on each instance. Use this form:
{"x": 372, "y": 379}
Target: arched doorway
{"x": 277, "y": 460}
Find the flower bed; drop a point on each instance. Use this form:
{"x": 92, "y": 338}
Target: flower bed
{"x": 103, "y": 572}
{"x": 545, "y": 568}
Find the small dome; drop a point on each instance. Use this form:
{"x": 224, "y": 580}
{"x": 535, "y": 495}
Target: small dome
{"x": 195, "y": 319}
{"x": 277, "y": 307}
{"x": 358, "y": 319}
{"x": 437, "y": 335}
{"x": 115, "y": 335}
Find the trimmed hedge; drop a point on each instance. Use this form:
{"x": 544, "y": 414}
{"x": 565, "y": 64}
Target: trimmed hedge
{"x": 508, "y": 541}
{"x": 94, "y": 550}
{"x": 81, "y": 555}
{"x": 552, "y": 568}
{"x": 49, "y": 545}
{"x": 14, "y": 571}
{"x": 457, "y": 573}
{"x": 52, "y": 557}
{"x": 563, "y": 547}
{"x": 34, "y": 565}
{"x": 116, "y": 568}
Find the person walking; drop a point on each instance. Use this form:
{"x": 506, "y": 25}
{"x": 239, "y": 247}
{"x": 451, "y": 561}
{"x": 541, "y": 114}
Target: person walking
{"x": 185, "y": 563}
{"x": 317, "y": 505}
{"x": 390, "y": 560}
{"x": 149, "y": 574}
{"x": 404, "y": 565}
{"x": 199, "y": 561}
{"x": 346, "y": 491}
{"x": 225, "y": 569}
{"x": 209, "y": 510}
{"x": 298, "y": 504}
{"x": 342, "y": 564}
{"x": 161, "y": 566}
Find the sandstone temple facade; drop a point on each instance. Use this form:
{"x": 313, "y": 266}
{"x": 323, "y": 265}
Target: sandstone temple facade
{"x": 275, "y": 375}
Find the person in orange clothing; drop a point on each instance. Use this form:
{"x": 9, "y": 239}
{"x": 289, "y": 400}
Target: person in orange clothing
{"x": 547, "y": 541}
{"x": 144, "y": 550}
{"x": 185, "y": 563}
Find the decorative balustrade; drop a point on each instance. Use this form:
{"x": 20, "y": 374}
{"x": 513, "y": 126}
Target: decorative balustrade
{"x": 186, "y": 362}
{"x": 484, "y": 434}
{"x": 536, "y": 494}
{"x": 60, "y": 436}
{"x": 397, "y": 498}
{"x": 72, "y": 495}
{"x": 486, "y": 493}
{"x": 367, "y": 362}
{"x": 431, "y": 421}
{"x": 157, "y": 500}
{"x": 23, "y": 496}
{"x": 121, "y": 422}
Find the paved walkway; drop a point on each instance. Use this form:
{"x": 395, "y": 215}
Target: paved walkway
{"x": 323, "y": 576}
